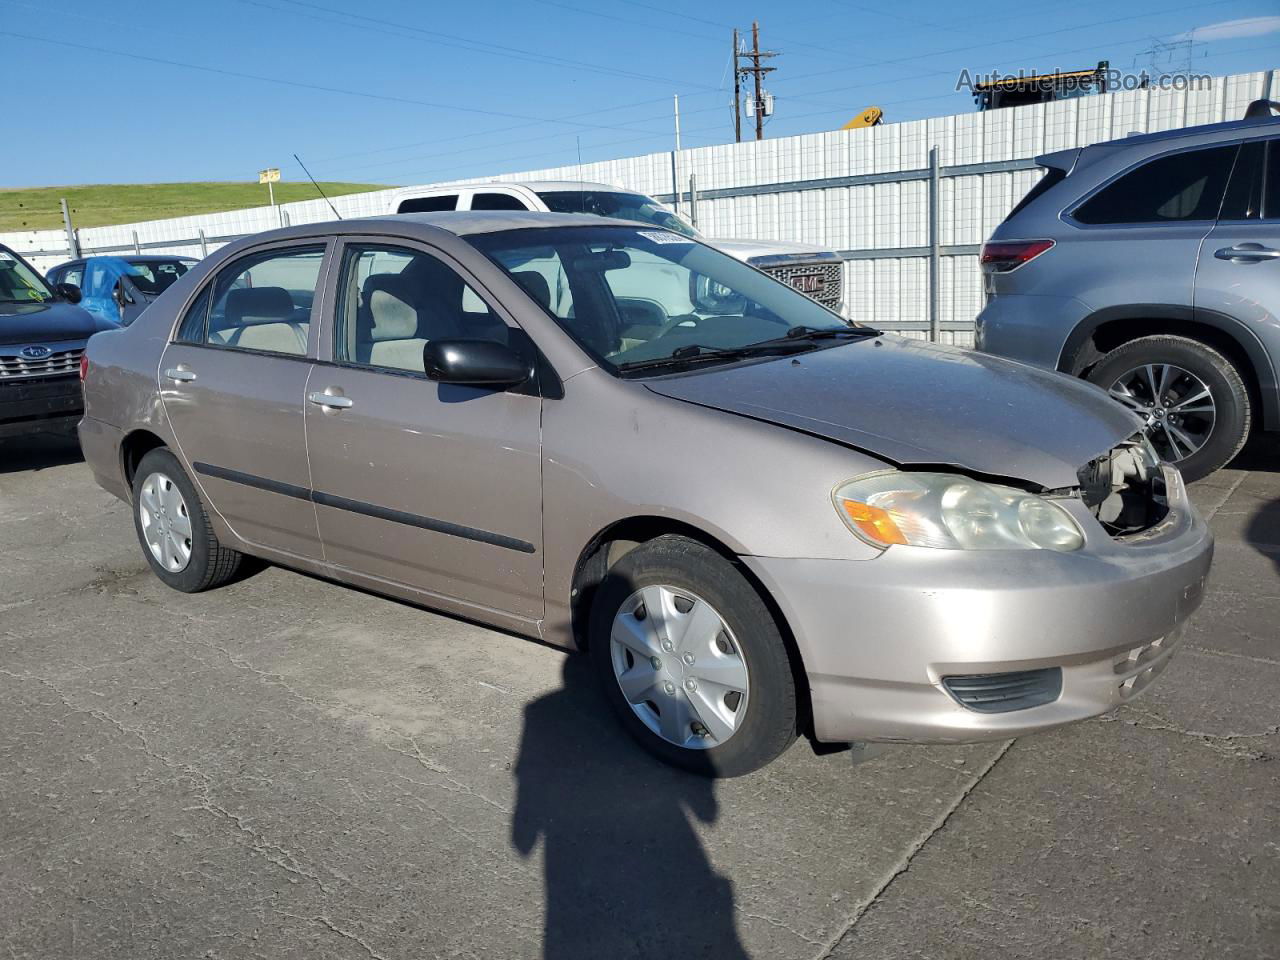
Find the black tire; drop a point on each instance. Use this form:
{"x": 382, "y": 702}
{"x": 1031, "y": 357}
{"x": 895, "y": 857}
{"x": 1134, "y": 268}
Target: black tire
{"x": 770, "y": 724}
{"x": 211, "y": 564}
{"x": 1234, "y": 412}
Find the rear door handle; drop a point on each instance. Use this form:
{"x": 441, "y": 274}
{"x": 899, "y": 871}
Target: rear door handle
{"x": 1247, "y": 253}
{"x": 333, "y": 401}
{"x": 178, "y": 375}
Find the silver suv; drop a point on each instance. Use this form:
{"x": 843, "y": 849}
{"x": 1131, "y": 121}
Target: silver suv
{"x": 1151, "y": 267}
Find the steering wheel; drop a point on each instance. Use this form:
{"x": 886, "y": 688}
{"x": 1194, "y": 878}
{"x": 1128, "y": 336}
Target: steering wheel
{"x": 677, "y": 321}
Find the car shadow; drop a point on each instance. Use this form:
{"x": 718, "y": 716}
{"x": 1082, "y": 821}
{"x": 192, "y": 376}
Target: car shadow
{"x": 1260, "y": 454}
{"x": 626, "y": 875}
{"x": 39, "y": 452}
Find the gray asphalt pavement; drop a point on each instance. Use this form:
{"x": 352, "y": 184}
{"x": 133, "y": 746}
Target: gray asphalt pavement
{"x": 289, "y": 768}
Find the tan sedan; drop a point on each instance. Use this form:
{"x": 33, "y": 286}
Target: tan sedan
{"x": 762, "y": 521}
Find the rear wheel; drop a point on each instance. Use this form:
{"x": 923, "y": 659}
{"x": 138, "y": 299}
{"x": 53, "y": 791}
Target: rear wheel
{"x": 692, "y": 660}
{"x": 174, "y": 529}
{"x": 1193, "y": 400}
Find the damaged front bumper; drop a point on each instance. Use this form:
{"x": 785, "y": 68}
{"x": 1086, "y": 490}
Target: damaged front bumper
{"x": 881, "y": 638}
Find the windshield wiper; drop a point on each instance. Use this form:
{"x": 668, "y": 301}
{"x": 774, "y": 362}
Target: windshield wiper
{"x": 695, "y": 353}
{"x": 807, "y": 334}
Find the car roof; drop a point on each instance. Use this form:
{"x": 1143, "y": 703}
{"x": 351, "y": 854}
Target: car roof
{"x": 465, "y": 223}
{"x": 1240, "y": 128}
{"x": 545, "y": 186}
{"x": 130, "y": 258}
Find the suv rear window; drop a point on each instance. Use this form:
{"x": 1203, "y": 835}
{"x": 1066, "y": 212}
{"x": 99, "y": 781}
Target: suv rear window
{"x": 1052, "y": 177}
{"x": 1177, "y": 187}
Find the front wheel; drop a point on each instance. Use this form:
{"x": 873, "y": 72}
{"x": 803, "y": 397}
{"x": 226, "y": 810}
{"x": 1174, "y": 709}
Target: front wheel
{"x": 1193, "y": 400}
{"x": 692, "y": 660}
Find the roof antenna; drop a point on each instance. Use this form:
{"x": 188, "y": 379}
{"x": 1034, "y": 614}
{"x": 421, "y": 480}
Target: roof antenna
{"x": 317, "y": 186}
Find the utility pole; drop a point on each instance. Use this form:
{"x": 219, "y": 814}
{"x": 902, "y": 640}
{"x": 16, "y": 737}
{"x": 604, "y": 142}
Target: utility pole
{"x": 737, "y": 92}
{"x": 755, "y": 55}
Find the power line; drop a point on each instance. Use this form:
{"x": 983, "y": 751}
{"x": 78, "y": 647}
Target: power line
{"x": 1031, "y": 36}
{"x": 298, "y": 84}
{"x": 377, "y": 25}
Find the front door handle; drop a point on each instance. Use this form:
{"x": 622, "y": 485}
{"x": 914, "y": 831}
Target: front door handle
{"x": 179, "y": 375}
{"x": 332, "y": 401}
{"x": 1247, "y": 253}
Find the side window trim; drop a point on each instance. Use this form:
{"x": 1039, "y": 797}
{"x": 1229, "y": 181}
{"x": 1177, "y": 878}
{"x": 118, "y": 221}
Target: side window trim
{"x": 208, "y": 284}
{"x": 1069, "y": 215}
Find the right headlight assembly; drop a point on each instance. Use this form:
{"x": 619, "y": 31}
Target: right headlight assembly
{"x": 952, "y": 512}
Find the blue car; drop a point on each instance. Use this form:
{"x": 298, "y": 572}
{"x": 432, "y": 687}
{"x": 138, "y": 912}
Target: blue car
{"x": 117, "y": 289}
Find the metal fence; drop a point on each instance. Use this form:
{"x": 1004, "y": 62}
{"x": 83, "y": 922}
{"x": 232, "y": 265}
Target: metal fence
{"x": 906, "y": 205}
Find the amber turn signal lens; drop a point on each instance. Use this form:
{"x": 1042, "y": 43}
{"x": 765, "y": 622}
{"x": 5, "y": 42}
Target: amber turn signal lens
{"x": 873, "y": 522}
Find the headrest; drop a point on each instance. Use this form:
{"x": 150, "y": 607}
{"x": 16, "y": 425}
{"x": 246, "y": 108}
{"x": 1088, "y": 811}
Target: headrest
{"x": 389, "y": 300}
{"x": 535, "y": 285}
{"x": 258, "y": 305}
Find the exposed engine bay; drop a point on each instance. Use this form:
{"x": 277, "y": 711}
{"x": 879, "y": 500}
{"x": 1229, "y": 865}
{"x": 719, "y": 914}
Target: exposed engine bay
{"x": 1125, "y": 488}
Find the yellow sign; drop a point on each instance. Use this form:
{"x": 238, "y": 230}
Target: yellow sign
{"x": 270, "y": 175}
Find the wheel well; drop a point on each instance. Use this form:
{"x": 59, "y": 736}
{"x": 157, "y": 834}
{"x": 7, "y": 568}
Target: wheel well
{"x": 1115, "y": 333}
{"x": 136, "y": 445}
{"x": 616, "y": 541}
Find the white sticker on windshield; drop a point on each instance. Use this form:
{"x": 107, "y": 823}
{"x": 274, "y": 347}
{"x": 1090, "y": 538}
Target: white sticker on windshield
{"x": 664, "y": 236}
{"x": 6, "y": 257}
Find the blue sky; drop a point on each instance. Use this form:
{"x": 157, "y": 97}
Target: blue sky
{"x": 400, "y": 91}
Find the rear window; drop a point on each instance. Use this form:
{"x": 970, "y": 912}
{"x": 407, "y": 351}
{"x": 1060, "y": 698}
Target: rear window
{"x": 1178, "y": 187}
{"x": 1052, "y": 177}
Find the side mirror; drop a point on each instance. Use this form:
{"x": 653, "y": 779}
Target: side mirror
{"x": 480, "y": 363}
{"x": 68, "y": 291}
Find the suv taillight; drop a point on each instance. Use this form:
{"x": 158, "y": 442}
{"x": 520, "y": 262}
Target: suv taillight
{"x": 84, "y": 366}
{"x": 1011, "y": 254}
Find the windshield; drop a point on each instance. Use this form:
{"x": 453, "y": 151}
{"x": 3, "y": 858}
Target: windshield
{"x": 636, "y": 299}
{"x": 153, "y": 277}
{"x": 19, "y": 283}
{"x": 624, "y": 206}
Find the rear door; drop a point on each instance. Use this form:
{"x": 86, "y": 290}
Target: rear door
{"x": 233, "y": 383}
{"x": 1239, "y": 272}
{"x": 436, "y": 487}
{"x": 1142, "y": 231}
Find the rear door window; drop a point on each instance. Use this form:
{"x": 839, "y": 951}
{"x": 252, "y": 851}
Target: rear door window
{"x": 1271, "y": 177}
{"x": 260, "y": 302}
{"x": 445, "y": 201}
{"x": 1170, "y": 189}
{"x": 1244, "y": 193}
{"x": 497, "y": 201}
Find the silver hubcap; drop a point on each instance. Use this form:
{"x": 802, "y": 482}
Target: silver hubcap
{"x": 679, "y": 667}
{"x": 166, "y": 524}
{"x": 1175, "y": 404}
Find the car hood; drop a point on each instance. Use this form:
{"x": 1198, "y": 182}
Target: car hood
{"x": 47, "y": 322}
{"x": 752, "y": 251}
{"x": 919, "y": 404}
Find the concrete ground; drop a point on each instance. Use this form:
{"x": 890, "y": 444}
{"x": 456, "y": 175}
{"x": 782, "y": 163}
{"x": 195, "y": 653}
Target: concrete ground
{"x": 289, "y": 768}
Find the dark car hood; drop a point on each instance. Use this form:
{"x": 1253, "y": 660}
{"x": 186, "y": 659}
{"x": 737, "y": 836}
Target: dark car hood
{"x": 914, "y": 404}
{"x": 47, "y": 322}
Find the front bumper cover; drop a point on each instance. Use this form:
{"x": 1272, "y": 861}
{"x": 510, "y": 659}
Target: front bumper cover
{"x": 878, "y": 636}
{"x": 31, "y": 406}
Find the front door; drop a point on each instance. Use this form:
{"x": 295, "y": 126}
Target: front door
{"x": 435, "y": 487}
{"x": 233, "y": 384}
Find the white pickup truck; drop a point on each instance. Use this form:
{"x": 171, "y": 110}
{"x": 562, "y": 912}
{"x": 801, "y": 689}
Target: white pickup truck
{"x": 813, "y": 271}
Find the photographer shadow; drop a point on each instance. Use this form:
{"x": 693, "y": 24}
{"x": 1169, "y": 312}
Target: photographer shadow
{"x": 626, "y": 875}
